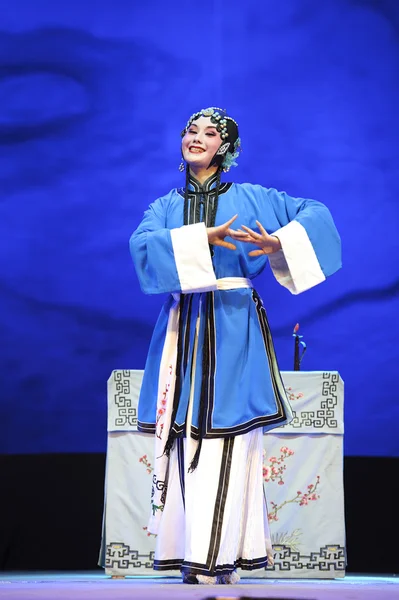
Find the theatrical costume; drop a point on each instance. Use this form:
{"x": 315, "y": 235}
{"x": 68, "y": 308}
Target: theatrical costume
{"x": 211, "y": 385}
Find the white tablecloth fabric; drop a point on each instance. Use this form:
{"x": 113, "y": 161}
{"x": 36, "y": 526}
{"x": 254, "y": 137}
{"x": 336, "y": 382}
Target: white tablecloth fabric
{"x": 303, "y": 472}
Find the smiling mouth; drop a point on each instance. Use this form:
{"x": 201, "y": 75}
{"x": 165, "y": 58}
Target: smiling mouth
{"x": 196, "y": 150}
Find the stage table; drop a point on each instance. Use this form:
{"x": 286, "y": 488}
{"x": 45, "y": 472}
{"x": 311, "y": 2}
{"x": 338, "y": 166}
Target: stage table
{"x": 303, "y": 474}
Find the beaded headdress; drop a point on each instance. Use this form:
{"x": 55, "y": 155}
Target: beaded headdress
{"x": 230, "y": 147}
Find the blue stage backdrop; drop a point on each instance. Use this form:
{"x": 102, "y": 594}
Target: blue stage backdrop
{"x": 93, "y": 96}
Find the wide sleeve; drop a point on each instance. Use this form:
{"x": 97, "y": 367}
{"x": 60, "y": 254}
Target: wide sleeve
{"x": 171, "y": 260}
{"x": 311, "y": 246}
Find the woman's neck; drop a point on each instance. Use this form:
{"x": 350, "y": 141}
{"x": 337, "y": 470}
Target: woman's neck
{"x": 202, "y": 174}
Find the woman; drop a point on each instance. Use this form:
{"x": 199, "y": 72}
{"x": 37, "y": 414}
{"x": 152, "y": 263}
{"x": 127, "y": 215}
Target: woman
{"x": 211, "y": 385}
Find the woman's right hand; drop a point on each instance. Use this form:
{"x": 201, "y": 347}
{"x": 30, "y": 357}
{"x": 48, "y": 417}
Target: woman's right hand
{"x": 217, "y": 234}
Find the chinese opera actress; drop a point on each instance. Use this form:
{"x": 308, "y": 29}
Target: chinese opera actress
{"x": 211, "y": 384}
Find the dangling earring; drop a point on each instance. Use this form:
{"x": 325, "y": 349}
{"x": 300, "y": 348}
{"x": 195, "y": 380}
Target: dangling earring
{"x": 226, "y": 169}
{"x": 182, "y": 166}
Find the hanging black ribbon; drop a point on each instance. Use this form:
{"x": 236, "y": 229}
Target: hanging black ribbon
{"x": 204, "y": 381}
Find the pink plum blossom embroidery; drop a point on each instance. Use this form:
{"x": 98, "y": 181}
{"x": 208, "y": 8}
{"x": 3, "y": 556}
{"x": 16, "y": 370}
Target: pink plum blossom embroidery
{"x": 148, "y": 533}
{"x": 303, "y": 499}
{"x": 291, "y": 395}
{"x": 274, "y": 472}
{"x": 144, "y": 460}
{"x": 159, "y": 426}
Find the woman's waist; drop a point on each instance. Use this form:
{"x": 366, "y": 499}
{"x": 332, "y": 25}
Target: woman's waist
{"x": 233, "y": 283}
{"x": 222, "y": 284}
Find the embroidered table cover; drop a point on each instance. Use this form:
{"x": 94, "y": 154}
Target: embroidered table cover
{"x": 303, "y": 475}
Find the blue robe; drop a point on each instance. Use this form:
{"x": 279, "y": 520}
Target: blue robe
{"x": 243, "y": 385}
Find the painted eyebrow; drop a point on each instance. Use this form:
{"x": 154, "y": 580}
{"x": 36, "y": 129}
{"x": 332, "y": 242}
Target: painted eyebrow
{"x": 207, "y": 127}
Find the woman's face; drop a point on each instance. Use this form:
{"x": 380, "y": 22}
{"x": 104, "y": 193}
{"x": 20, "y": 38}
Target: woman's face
{"x": 200, "y": 143}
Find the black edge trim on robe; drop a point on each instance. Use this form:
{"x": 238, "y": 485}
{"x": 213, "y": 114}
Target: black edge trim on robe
{"x": 224, "y": 478}
{"x": 186, "y": 338}
{"x": 168, "y": 565}
{"x": 226, "y": 432}
{"x": 270, "y": 352}
{"x": 201, "y": 569}
{"x": 212, "y": 364}
{"x": 180, "y": 460}
{"x": 145, "y": 427}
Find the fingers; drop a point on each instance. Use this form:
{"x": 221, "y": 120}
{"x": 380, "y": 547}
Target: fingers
{"x": 241, "y": 236}
{"x": 259, "y": 252}
{"x": 263, "y": 232}
{"x": 262, "y": 229}
{"x": 225, "y": 244}
{"x": 228, "y": 223}
{"x": 250, "y": 232}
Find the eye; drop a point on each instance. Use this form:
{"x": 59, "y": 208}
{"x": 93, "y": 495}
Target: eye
{"x": 211, "y": 134}
{"x": 192, "y": 131}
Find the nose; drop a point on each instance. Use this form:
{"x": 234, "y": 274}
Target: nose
{"x": 197, "y": 138}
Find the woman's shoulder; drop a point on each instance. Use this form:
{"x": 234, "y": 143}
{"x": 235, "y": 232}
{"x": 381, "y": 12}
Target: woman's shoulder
{"x": 173, "y": 195}
{"x": 254, "y": 189}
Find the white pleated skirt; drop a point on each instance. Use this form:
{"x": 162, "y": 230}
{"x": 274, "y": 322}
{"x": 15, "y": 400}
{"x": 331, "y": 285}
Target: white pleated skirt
{"x": 215, "y": 518}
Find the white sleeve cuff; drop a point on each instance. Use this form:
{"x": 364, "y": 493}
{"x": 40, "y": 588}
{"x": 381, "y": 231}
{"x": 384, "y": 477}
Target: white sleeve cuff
{"x": 295, "y": 266}
{"x": 193, "y": 258}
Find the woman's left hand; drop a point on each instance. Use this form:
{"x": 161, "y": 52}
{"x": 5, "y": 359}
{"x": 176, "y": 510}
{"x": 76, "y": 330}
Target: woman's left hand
{"x": 268, "y": 244}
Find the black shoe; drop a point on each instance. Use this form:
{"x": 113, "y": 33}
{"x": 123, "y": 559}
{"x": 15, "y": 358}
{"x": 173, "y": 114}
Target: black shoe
{"x": 189, "y": 578}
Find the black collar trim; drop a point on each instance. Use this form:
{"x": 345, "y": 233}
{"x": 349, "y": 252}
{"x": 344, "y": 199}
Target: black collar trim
{"x": 224, "y": 187}
{"x": 204, "y": 188}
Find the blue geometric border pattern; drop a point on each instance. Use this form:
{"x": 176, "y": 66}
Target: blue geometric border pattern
{"x": 121, "y": 556}
{"x": 122, "y": 401}
{"x": 331, "y": 557}
{"x": 328, "y": 415}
